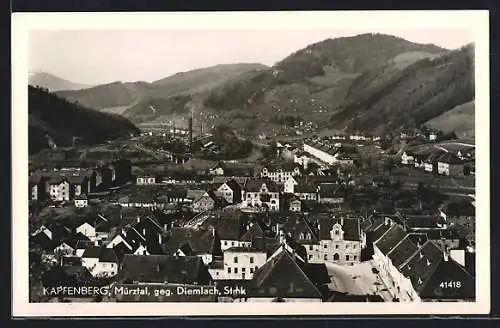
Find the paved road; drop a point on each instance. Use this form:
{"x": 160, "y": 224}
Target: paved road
{"x": 356, "y": 280}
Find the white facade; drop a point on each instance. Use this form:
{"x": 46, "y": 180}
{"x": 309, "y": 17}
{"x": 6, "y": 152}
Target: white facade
{"x": 81, "y": 202}
{"x": 428, "y": 167}
{"x": 407, "y": 159}
{"x": 295, "y": 206}
{"x": 288, "y": 186}
{"x": 59, "y": 191}
{"x": 226, "y": 192}
{"x": 338, "y": 250}
{"x": 105, "y": 269}
{"x": 64, "y": 249}
{"x": 254, "y": 198}
{"x": 239, "y": 264}
{"x": 87, "y": 230}
{"x": 279, "y": 175}
{"x": 227, "y": 243}
{"x": 216, "y": 171}
{"x": 145, "y": 180}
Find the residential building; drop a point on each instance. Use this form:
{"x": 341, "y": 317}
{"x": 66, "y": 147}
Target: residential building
{"x": 301, "y": 230}
{"x": 81, "y": 201}
{"x": 281, "y": 279}
{"x": 295, "y": 205}
{"x": 408, "y": 158}
{"x": 289, "y": 185}
{"x": 230, "y": 191}
{"x": 204, "y": 203}
{"x": 217, "y": 170}
{"x": 450, "y": 164}
{"x": 100, "y": 261}
{"x": 239, "y": 263}
{"x": 145, "y": 179}
{"x": 331, "y": 194}
{"x": 280, "y": 172}
{"x": 59, "y": 188}
{"x": 260, "y": 193}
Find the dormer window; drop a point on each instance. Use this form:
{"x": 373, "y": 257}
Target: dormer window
{"x": 420, "y": 281}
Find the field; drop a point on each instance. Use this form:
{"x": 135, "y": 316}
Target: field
{"x": 460, "y": 119}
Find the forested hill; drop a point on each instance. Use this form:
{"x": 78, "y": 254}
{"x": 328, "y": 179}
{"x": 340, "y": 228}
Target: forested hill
{"x": 53, "y": 118}
{"x": 412, "y": 96}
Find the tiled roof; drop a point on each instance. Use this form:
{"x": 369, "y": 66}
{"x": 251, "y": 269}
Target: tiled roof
{"x": 297, "y": 225}
{"x": 255, "y": 185}
{"x": 254, "y": 231}
{"x": 164, "y": 268}
{"x": 229, "y": 226}
{"x": 450, "y": 158}
{"x": 422, "y": 264}
{"x": 243, "y": 250}
{"x": 200, "y": 241}
{"x": 390, "y": 239}
{"x": 420, "y": 221}
{"x": 378, "y": 232}
{"x": 350, "y": 226}
{"x": 331, "y": 190}
{"x": 402, "y": 251}
{"x": 449, "y": 271}
{"x": 304, "y": 188}
{"x": 459, "y": 208}
{"x": 282, "y": 277}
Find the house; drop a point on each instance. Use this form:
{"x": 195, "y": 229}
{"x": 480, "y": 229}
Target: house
{"x": 301, "y": 158}
{"x": 289, "y": 185}
{"x": 37, "y": 187}
{"x": 81, "y": 201}
{"x": 100, "y": 261}
{"x": 431, "y": 162}
{"x": 59, "y": 188}
{"x": 331, "y": 194}
{"x": 419, "y": 160}
{"x": 260, "y": 193}
{"x": 145, "y": 179}
{"x": 433, "y": 136}
{"x": 295, "y": 205}
{"x": 43, "y": 239}
{"x": 239, "y": 263}
{"x": 437, "y": 277}
{"x": 306, "y": 191}
{"x": 203, "y": 243}
{"x": 280, "y": 172}
{"x": 230, "y": 227}
{"x": 340, "y": 240}
{"x": 230, "y": 191}
{"x": 103, "y": 227}
{"x": 183, "y": 270}
{"x": 450, "y": 164}
{"x": 281, "y": 279}
{"x": 300, "y": 229}
{"x": 87, "y": 229}
{"x": 407, "y": 158}
{"x": 217, "y": 170}
{"x": 204, "y": 203}
{"x": 122, "y": 169}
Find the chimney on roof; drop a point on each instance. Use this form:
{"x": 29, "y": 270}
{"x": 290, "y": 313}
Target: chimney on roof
{"x": 342, "y": 220}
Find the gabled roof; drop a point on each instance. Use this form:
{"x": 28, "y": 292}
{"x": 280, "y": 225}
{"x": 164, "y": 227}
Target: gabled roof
{"x": 420, "y": 266}
{"x": 459, "y": 208}
{"x": 402, "y": 251}
{"x": 299, "y": 225}
{"x": 450, "y": 158}
{"x": 449, "y": 271}
{"x": 390, "y": 239}
{"x": 229, "y": 225}
{"x": 331, "y": 190}
{"x": 235, "y": 187}
{"x": 304, "y": 188}
{"x": 282, "y": 277}
{"x": 379, "y": 231}
{"x": 254, "y": 185}
{"x": 350, "y": 226}
{"x": 73, "y": 239}
{"x": 253, "y": 232}
{"x": 200, "y": 241}
{"x": 164, "y": 268}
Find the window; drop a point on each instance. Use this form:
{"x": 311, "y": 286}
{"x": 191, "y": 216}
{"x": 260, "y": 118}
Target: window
{"x": 301, "y": 236}
{"x": 336, "y": 232}
{"x": 235, "y": 270}
{"x": 310, "y": 247}
{"x": 235, "y": 259}
{"x": 355, "y": 257}
{"x": 243, "y": 269}
{"x": 251, "y": 259}
{"x": 347, "y": 258}
{"x": 346, "y": 246}
{"x": 232, "y": 243}
{"x": 354, "y": 246}
{"x": 325, "y": 246}
{"x": 225, "y": 243}
{"x": 336, "y": 257}
{"x": 251, "y": 270}
{"x": 229, "y": 270}
{"x": 325, "y": 257}
{"x": 336, "y": 246}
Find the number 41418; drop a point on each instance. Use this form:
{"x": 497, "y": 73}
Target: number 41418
{"x": 450, "y": 284}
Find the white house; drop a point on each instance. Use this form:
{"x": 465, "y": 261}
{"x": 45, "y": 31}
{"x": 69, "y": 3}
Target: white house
{"x": 289, "y": 185}
{"x": 280, "y": 173}
{"x": 407, "y": 158}
{"x": 239, "y": 263}
{"x": 259, "y": 192}
{"x": 340, "y": 240}
{"x": 81, "y": 201}
{"x": 145, "y": 179}
{"x": 86, "y": 229}
{"x": 100, "y": 261}
{"x": 59, "y": 189}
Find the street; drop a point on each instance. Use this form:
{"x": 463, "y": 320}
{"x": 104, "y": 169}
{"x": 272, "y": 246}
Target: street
{"x": 356, "y": 280}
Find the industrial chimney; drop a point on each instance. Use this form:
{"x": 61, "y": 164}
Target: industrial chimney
{"x": 191, "y": 131}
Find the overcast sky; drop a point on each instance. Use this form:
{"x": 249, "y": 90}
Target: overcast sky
{"x": 103, "y": 56}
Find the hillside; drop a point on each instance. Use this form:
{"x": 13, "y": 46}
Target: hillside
{"x": 120, "y": 97}
{"x": 421, "y": 91}
{"x": 51, "y": 117}
{"x": 52, "y": 82}
{"x": 460, "y": 119}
